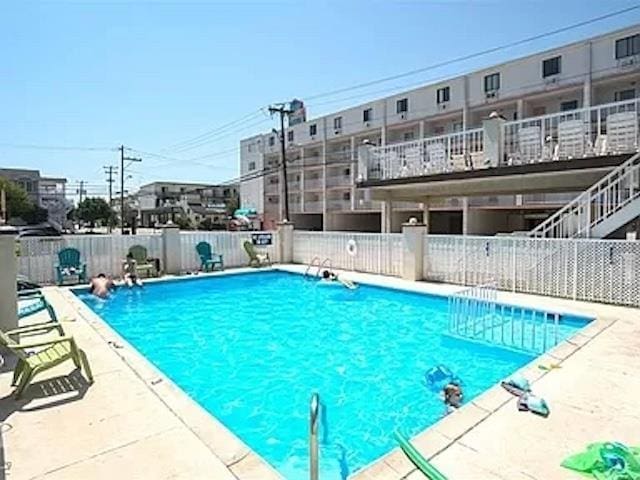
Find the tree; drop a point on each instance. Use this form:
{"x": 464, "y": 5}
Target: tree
{"x": 232, "y": 204}
{"x": 18, "y": 202}
{"x": 94, "y": 209}
{"x": 183, "y": 223}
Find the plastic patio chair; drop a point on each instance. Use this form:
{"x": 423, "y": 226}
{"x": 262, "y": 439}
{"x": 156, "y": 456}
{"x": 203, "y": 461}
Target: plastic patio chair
{"x": 34, "y": 304}
{"x": 143, "y": 263}
{"x": 54, "y": 352}
{"x": 256, "y": 259}
{"x": 69, "y": 266}
{"x": 208, "y": 260}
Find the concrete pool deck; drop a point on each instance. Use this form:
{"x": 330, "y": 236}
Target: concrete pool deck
{"x": 134, "y": 423}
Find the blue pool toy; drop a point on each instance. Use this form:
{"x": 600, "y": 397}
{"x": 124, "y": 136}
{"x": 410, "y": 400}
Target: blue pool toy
{"x": 437, "y": 377}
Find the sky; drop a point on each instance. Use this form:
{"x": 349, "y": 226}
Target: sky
{"x": 79, "y": 78}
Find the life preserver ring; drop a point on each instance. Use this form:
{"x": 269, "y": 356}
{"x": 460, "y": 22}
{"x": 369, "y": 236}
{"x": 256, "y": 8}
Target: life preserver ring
{"x": 352, "y": 247}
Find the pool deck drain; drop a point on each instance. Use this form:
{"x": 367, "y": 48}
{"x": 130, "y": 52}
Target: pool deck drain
{"x": 134, "y": 423}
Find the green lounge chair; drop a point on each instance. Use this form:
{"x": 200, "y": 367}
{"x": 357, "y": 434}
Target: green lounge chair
{"x": 208, "y": 260}
{"x": 431, "y": 472}
{"x": 54, "y": 352}
{"x": 69, "y": 266}
{"x": 37, "y": 303}
{"x": 256, "y": 259}
{"x": 143, "y": 263}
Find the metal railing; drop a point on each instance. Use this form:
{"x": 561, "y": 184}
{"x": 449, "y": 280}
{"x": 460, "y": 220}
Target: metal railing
{"x": 428, "y": 156}
{"x": 313, "y": 207}
{"x": 609, "y": 129}
{"x": 339, "y": 181}
{"x": 314, "y": 183}
{"x": 339, "y": 205}
{"x": 314, "y": 413}
{"x": 474, "y": 314}
{"x": 595, "y": 205}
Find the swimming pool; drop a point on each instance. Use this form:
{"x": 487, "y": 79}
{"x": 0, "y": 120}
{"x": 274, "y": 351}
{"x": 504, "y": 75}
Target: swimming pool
{"x": 252, "y": 348}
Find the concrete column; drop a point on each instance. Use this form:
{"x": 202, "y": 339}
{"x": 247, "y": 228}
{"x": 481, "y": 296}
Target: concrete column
{"x": 520, "y": 108}
{"x": 421, "y": 131}
{"x": 465, "y": 103}
{"x": 385, "y": 216}
{"x": 465, "y": 215}
{"x": 352, "y": 169}
{"x": 493, "y": 147}
{"x": 383, "y": 136}
{"x": 586, "y": 89}
{"x": 425, "y": 213}
{"x": 171, "y": 249}
{"x": 412, "y": 250}
{"x": 8, "y": 278}
{"x": 285, "y": 235}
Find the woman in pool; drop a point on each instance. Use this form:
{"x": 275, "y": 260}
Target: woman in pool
{"x": 130, "y": 276}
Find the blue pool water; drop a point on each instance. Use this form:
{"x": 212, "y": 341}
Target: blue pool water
{"x": 252, "y": 348}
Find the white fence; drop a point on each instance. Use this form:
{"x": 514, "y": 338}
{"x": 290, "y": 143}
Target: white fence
{"x": 593, "y": 270}
{"x": 363, "y": 252}
{"x": 228, "y": 244}
{"x": 101, "y": 253}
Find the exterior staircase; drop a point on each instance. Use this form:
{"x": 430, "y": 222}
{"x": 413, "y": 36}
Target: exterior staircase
{"x": 605, "y": 207}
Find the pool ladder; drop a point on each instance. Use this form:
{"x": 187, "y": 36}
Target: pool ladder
{"x": 314, "y": 410}
{"x": 320, "y": 264}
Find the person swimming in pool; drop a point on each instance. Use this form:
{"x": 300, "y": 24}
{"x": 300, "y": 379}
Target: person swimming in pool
{"x": 101, "y": 285}
{"x": 452, "y": 396}
{"x": 329, "y": 276}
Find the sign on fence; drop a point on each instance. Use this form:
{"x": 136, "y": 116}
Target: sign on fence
{"x": 262, "y": 239}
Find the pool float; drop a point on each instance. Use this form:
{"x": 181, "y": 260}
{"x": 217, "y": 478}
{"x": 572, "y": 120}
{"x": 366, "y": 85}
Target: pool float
{"x": 352, "y": 248}
{"x": 606, "y": 460}
{"x": 437, "y": 377}
{"x": 417, "y": 459}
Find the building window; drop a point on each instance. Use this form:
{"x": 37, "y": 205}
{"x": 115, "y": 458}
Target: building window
{"x": 250, "y": 148}
{"x": 550, "y": 66}
{"x": 290, "y": 135}
{"x": 627, "y": 46}
{"x": 337, "y": 123}
{"x": 367, "y": 114}
{"x": 313, "y": 129}
{"x": 623, "y": 95}
{"x": 272, "y": 141}
{"x": 252, "y": 166}
{"x": 570, "y": 105}
{"x": 492, "y": 82}
{"x": 346, "y": 196}
{"x": 408, "y": 136}
{"x": 402, "y": 105}
{"x": 442, "y": 95}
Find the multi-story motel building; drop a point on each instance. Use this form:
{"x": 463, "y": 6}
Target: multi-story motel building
{"x": 595, "y": 82}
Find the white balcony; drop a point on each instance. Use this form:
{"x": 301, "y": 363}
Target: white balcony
{"x": 339, "y": 181}
{"x": 339, "y": 205}
{"x": 313, "y": 161}
{"x": 294, "y": 186}
{"x": 313, "y": 207}
{"x": 272, "y": 188}
{"x": 313, "y": 184}
{"x": 610, "y": 129}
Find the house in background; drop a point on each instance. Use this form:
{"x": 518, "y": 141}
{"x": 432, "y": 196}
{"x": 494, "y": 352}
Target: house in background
{"x": 46, "y": 192}
{"x": 194, "y": 203}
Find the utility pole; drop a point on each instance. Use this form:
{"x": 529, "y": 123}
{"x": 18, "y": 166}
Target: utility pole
{"x": 110, "y": 170}
{"x": 282, "y": 111}
{"x": 122, "y": 160}
{"x": 81, "y": 191}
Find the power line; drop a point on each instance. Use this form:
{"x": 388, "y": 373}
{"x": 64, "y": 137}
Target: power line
{"x": 198, "y": 138}
{"x": 110, "y": 170}
{"x": 55, "y": 147}
{"x": 476, "y": 54}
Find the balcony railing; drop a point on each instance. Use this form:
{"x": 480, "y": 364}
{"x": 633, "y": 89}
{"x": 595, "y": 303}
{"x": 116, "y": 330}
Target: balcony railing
{"x": 313, "y": 207}
{"x": 428, "y": 156}
{"x": 339, "y": 205}
{"x": 313, "y": 160}
{"x": 339, "y": 181}
{"x": 314, "y": 184}
{"x": 339, "y": 157}
{"x": 295, "y": 185}
{"x": 272, "y": 188}
{"x": 609, "y": 129}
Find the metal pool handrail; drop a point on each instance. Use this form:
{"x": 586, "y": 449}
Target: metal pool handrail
{"x": 313, "y": 436}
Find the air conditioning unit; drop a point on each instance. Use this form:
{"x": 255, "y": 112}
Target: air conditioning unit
{"x": 551, "y": 81}
{"x": 403, "y": 115}
{"x": 491, "y": 94}
{"x": 337, "y": 131}
{"x": 367, "y": 124}
{"x": 313, "y": 137}
{"x": 629, "y": 61}
{"x": 443, "y": 105}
